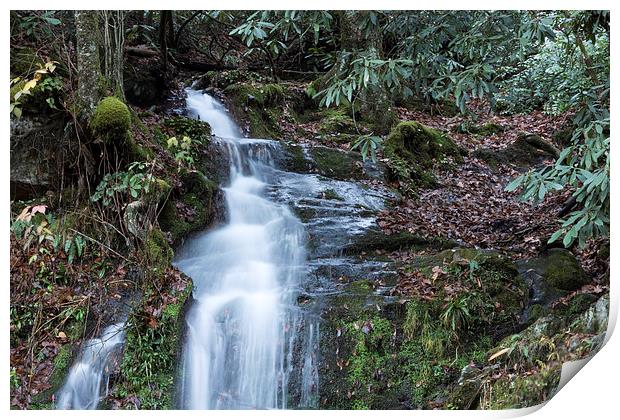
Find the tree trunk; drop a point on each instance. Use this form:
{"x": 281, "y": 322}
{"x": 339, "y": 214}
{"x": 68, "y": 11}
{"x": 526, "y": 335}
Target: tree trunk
{"x": 100, "y": 40}
{"x": 88, "y": 61}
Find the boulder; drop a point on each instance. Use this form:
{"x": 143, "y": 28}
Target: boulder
{"x": 558, "y": 269}
{"x": 526, "y": 151}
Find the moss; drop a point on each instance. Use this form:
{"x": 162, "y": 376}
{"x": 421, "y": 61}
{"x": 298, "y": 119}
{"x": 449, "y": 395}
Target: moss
{"x": 158, "y": 192}
{"x": 484, "y": 130}
{"x": 376, "y": 240}
{"x": 198, "y": 131}
{"x": 151, "y": 355}
{"x": 334, "y": 163}
{"x": 258, "y": 105}
{"x": 559, "y": 269}
{"x": 412, "y": 148}
{"x": 336, "y": 120}
{"x": 135, "y": 152}
{"x": 61, "y": 364}
{"x": 191, "y": 209}
{"x": 111, "y": 118}
{"x": 517, "y": 391}
{"x": 157, "y": 250}
{"x": 330, "y": 194}
{"x": 526, "y": 151}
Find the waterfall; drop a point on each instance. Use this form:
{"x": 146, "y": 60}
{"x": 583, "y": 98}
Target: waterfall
{"x": 244, "y": 323}
{"x": 88, "y": 377}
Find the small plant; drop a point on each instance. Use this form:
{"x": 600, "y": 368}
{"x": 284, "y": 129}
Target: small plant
{"x": 47, "y": 86}
{"x": 181, "y": 150}
{"x": 119, "y": 186}
{"x": 456, "y": 314}
{"x": 367, "y": 145}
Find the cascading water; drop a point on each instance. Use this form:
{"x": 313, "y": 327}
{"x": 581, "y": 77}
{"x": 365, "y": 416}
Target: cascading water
{"x": 88, "y": 377}
{"x": 243, "y": 325}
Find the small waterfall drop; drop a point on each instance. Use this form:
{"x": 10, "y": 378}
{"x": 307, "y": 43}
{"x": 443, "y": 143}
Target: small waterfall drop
{"x": 243, "y": 325}
{"x": 87, "y": 381}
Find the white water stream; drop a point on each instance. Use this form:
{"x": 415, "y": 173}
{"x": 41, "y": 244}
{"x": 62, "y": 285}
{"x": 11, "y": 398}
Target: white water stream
{"x": 241, "y": 328}
{"x": 87, "y": 381}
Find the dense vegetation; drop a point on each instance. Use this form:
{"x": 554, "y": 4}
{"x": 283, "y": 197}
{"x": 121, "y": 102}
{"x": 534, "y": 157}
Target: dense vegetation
{"x": 107, "y": 177}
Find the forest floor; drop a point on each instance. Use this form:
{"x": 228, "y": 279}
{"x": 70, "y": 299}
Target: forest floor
{"x": 470, "y": 204}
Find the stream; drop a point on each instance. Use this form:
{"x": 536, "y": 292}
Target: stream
{"x": 263, "y": 279}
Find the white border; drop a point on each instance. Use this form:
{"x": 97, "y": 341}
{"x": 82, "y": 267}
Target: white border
{"x": 592, "y": 393}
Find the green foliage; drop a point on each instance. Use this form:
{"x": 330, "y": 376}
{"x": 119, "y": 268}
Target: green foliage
{"x": 181, "y": 151}
{"x": 41, "y": 88}
{"x": 35, "y": 227}
{"x": 367, "y": 145}
{"x": 121, "y": 187}
{"x": 111, "y": 119}
{"x": 583, "y": 166}
{"x": 411, "y": 148}
{"x": 198, "y": 131}
{"x": 35, "y": 23}
{"x": 456, "y": 313}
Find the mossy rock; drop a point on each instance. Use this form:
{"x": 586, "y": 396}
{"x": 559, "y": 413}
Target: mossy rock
{"x": 483, "y": 130}
{"x": 191, "y": 208}
{"x": 516, "y": 391}
{"x": 111, "y": 118}
{"x": 152, "y": 351}
{"x": 336, "y": 120}
{"x": 526, "y": 151}
{"x": 198, "y": 131}
{"x": 157, "y": 250}
{"x": 412, "y": 149}
{"x": 559, "y": 269}
{"x": 376, "y": 240}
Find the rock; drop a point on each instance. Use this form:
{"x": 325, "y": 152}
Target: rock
{"x": 134, "y": 220}
{"x": 412, "y": 148}
{"x": 466, "y": 393}
{"x": 36, "y": 148}
{"x": 375, "y": 240}
{"x": 526, "y": 151}
{"x": 558, "y": 269}
{"x": 329, "y": 162}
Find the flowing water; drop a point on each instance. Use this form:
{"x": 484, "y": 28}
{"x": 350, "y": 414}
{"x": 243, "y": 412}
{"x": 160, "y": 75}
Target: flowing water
{"x": 87, "y": 381}
{"x": 244, "y": 325}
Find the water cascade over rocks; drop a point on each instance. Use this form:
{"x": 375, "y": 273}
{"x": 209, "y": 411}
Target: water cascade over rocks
{"x": 244, "y": 324}
{"x": 87, "y": 381}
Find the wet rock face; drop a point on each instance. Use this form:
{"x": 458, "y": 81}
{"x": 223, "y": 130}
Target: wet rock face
{"x": 36, "y": 144}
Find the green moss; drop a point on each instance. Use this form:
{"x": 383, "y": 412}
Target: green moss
{"x": 484, "y": 130}
{"x": 151, "y": 355}
{"x": 157, "y": 250}
{"x": 522, "y": 391}
{"x": 376, "y": 240}
{"x": 191, "y": 209}
{"x": 330, "y": 194}
{"x": 259, "y": 105}
{"x": 111, "y": 118}
{"x": 335, "y": 163}
{"x": 198, "y": 131}
{"x": 336, "y": 120}
{"x": 562, "y": 271}
{"x": 412, "y": 148}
